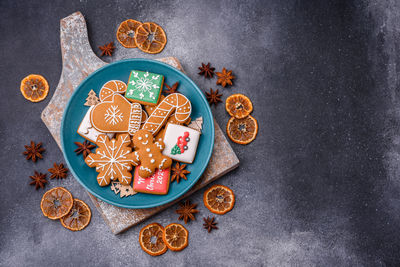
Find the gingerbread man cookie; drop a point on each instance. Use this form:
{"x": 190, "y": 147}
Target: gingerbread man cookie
{"x": 113, "y": 159}
{"x": 148, "y": 154}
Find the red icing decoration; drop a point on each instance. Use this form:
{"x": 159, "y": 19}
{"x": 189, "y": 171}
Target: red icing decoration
{"x": 182, "y": 142}
{"x": 158, "y": 183}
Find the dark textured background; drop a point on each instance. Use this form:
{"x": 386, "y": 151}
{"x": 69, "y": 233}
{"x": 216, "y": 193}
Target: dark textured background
{"x": 319, "y": 186}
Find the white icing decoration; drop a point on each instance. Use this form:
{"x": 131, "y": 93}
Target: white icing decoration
{"x": 147, "y": 149}
{"x": 152, "y": 161}
{"x": 145, "y": 169}
{"x": 150, "y": 155}
{"x": 159, "y": 145}
{"x": 113, "y": 115}
{"x": 162, "y": 163}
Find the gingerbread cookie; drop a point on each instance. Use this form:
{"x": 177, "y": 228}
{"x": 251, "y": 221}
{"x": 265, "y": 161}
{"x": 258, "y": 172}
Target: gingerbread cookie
{"x": 87, "y": 131}
{"x": 173, "y": 102}
{"x": 110, "y": 88}
{"x": 116, "y": 115}
{"x": 92, "y": 99}
{"x": 149, "y": 109}
{"x": 148, "y": 154}
{"x": 180, "y": 142}
{"x": 113, "y": 159}
{"x": 157, "y": 184}
{"x": 144, "y": 87}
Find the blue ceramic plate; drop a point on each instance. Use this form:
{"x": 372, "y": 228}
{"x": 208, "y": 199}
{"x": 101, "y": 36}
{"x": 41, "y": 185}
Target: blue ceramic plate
{"x": 75, "y": 112}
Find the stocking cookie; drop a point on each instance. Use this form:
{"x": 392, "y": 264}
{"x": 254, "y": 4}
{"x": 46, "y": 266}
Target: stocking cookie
{"x": 116, "y": 115}
{"x": 110, "y": 88}
{"x": 148, "y": 154}
{"x": 144, "y": 87}
{"x": 180, "y": 142}
{"x": 173, "y": 102}
{"x": 113, "y": 160}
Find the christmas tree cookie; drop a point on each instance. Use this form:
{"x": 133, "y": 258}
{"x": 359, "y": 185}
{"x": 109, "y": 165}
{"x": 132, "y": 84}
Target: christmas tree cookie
{"x": 180, "y": 142}
{"x": 144, "y": 87}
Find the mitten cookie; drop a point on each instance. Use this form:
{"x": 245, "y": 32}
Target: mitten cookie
{"x": 116, "y": 115}
{"x": 87, "y": 131}
{"x": 148, "y": 154}
{"x": 113, "y": 159}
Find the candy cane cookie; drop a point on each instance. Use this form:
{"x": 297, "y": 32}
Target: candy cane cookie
{"x": 110, "y": 88}
{"x": 173, "y": 102}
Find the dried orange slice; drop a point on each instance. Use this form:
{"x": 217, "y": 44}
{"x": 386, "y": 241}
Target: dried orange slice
{"x": 242, "y": 131}
{"x": 78, "y": 217}
{"x": 56, "y": 203}
{"x": 34, "y": 87}
{"x": 238, "y": 106}
{"x": 151, "y": 239}
{"x": 176, "y": 237}
{"x": 126, "y": 33}
{"x": 219, "y": 199}
{"x": 150, "y": 38}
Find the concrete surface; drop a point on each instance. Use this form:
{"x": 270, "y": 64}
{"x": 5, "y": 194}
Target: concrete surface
{"x": 320, "y": 185}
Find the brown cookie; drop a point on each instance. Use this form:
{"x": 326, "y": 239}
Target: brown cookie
{"x": 113, "y": 159}
{"x": 177, "y": 103}
{"x": 116, "y": 115}
{"x": 148, "y": 154}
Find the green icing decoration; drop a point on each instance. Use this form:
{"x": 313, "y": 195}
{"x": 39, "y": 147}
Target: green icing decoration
{"x": 175, "y": 150}
{"x": 144, "y": 86}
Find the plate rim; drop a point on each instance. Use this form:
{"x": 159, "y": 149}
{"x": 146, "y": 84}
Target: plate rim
{"x": 143, "y": 206}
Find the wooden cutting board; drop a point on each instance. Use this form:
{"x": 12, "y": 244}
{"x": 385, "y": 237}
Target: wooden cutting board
{"x": 78, "y": 62}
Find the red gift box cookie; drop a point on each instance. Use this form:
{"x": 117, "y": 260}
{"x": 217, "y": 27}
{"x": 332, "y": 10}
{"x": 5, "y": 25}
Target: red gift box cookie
{"x": 158, "y": 183}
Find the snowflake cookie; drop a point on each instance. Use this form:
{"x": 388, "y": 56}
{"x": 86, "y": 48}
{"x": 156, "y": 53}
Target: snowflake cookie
{"x": 144, "y": 87}
{"x": 148, "y": 154}
{"x": 113, "y": 159}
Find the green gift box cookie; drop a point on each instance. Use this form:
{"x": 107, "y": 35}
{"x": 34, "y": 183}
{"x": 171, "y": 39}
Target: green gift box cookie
{"x": 144, "y": 87}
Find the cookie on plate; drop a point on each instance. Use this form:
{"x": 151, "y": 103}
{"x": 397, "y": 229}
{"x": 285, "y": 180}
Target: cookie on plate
{"x": 144, "y": 87}
{"x": 180, "y": 142}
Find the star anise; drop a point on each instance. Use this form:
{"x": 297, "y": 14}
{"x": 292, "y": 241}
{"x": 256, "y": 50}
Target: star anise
{"x": 58, "y": 171}
{"x": 210, "y": 224}
{"x": 225, "y": 77}
{"x": 84, "y": 148}
{"x": 179, "y": 172}
{"x": 213, "y": 97}
{"x": 38, "y": 180}
{"x": 206, "y": 70}
{"x": 187, "y": 211}
{"x": 172, "y": 89}
{"x": 34, "y": 151}
{"x": 107, "y": 49}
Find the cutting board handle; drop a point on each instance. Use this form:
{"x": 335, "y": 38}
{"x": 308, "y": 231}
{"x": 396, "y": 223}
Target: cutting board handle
{"x": 75, "y": 44}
